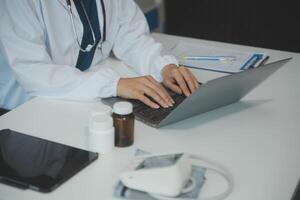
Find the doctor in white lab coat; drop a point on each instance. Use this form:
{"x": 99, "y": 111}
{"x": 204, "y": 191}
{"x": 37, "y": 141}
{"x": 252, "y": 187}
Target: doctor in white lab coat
{"x": 43, "y": 58}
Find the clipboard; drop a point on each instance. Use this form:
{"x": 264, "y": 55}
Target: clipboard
{"x": 211, "y": 58}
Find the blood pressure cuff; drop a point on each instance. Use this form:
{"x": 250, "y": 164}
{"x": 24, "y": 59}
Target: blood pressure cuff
{"x": 121, "y": 191}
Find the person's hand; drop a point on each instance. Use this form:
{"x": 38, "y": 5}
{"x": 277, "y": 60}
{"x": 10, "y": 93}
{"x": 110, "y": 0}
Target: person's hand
{"x": 179, "y": 79}
{"x": 142, "y": 88}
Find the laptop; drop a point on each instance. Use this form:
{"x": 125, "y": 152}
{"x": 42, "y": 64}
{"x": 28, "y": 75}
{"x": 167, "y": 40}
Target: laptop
{"x": 296, "y": 195}
{"x": 28, "y": 162}
{"x": 211, "y": 95}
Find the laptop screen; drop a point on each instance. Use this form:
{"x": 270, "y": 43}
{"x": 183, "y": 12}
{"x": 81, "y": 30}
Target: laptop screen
{"x": 30, "y": 162}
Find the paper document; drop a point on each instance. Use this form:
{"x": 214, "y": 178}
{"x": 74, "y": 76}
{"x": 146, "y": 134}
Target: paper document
{"x": 216, "y": 58}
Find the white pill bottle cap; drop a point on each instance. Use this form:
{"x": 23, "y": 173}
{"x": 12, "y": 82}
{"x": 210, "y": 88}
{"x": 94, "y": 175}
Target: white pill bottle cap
{"x": 101, "y": 110}
{"x": 101, "y": 123}
{"x": 122, "y": 108}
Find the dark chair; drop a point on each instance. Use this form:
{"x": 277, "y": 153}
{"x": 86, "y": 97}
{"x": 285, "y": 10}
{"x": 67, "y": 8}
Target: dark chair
{"x": 296, "y": 195}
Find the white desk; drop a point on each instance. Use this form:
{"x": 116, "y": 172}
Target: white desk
{"x": 257, "y": 139}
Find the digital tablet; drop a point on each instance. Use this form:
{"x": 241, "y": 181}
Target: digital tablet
{"x": 29, "y": 162}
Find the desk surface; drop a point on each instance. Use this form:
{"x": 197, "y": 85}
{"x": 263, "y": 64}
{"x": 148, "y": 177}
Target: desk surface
{"x": 257, "y": 139}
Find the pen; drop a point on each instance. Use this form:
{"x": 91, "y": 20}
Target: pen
{"x": 264, "y": 61}
{"x": 210, "y": 58}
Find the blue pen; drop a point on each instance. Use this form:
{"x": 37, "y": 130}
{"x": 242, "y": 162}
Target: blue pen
{"x": 210, "y": 58}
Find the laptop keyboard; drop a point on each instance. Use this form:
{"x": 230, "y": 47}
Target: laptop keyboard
{"x": 156, "y": 115}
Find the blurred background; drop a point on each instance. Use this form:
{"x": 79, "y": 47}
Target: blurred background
{"x": 263, "y": 23}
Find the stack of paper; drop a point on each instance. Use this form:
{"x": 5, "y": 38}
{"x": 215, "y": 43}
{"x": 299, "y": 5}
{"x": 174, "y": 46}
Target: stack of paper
{"x": 216, "y": 58}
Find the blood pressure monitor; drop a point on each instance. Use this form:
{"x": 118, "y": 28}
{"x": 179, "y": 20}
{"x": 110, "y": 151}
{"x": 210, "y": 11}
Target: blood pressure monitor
{"x": 161, "y": 174}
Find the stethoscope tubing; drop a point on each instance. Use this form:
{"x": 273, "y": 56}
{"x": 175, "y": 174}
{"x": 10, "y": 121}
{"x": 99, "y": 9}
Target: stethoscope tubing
{"x": 103, "y": 38}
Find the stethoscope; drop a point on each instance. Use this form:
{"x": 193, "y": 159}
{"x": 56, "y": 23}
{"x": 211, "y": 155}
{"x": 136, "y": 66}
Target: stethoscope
{"x": 89, "y": 47}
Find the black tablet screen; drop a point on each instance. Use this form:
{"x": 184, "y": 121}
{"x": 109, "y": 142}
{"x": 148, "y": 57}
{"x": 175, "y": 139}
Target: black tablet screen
{"x": 30, "y": 162}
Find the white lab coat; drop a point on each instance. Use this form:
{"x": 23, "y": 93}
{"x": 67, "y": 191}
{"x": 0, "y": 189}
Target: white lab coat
{"x": 37, "y": 42}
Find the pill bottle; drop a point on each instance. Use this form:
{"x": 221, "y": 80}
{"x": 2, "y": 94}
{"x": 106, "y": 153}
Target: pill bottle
{"x": 100, "y": 110}
{"x": 101, "y": 134}
{"x": 124, "y": 124}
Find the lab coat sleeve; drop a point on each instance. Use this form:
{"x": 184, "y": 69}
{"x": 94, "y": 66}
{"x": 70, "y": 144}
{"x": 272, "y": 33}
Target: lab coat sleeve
{"x": 134, "y": 44}
{"x": 23, "y": 44}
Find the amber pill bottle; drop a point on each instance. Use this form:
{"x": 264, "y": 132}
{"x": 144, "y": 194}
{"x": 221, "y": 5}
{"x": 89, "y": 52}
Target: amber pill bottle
{"x": 123, "y": 120}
